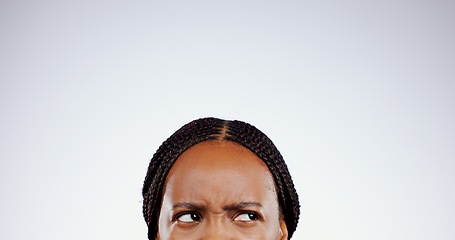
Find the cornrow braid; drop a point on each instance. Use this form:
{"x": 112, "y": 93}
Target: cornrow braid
{"x": 205, "y": 129}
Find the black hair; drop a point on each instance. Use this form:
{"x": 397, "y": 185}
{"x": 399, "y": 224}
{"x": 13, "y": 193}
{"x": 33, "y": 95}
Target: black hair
{"x": 206, "y": 129}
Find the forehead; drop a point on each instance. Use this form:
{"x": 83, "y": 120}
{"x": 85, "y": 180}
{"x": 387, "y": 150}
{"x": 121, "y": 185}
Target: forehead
{"x": 219, "y": 170}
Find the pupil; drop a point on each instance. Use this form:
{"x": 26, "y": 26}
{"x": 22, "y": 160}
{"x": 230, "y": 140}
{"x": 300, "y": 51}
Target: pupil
{"x": 251, "y": 216}
{"x": 194, "y": 217}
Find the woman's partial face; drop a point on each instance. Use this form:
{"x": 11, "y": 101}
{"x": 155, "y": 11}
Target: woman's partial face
{"x": 220, "y": 190}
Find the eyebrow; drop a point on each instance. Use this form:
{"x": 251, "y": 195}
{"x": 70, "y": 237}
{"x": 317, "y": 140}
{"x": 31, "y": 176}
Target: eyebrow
{"x": 234, "y": 206}
{"x": 188, "y": 205}
{"x": 241, "y": 205}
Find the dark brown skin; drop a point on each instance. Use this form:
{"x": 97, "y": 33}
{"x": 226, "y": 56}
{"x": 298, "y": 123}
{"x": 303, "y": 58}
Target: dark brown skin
{"x": 220, "y": 190}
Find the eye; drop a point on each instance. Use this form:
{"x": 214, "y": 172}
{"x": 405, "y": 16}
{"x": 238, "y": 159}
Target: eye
{"x": 188, "y": 217}
{"x": 247, "y": 217}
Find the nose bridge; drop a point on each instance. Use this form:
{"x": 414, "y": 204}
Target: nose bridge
{"x": 217, "y": 228}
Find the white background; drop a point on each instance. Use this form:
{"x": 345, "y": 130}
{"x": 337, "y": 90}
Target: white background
{"x": 357, "y": 95}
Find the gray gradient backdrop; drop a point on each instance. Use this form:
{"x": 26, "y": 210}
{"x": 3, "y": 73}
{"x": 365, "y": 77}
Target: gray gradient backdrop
{"x": 357, "y": 95}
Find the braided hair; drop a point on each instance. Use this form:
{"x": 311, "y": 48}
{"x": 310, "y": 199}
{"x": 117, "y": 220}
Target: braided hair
{"x": 205, "y": 129}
